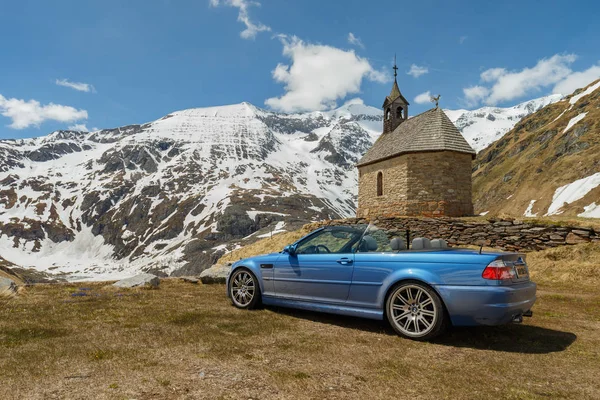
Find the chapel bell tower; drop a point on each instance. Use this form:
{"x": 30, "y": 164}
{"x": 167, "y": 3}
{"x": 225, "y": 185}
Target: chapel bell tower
{"x": 395, "y": 106}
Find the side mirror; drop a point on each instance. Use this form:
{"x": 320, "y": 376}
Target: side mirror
{"x": 290, "y": 249}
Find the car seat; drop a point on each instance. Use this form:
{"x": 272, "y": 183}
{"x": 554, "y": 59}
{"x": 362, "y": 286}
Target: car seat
{"x": 421, "y": 243}
{"x": 439, "y": 244}
{"x": 368, "y": 243}
{"x": 397, "y": 244}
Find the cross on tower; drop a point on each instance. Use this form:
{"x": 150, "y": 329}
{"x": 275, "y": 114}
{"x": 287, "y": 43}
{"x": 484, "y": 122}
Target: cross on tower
{"x": 395, "y": 68}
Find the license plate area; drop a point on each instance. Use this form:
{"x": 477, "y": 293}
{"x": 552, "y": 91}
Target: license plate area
{"x": 521, "y": 271}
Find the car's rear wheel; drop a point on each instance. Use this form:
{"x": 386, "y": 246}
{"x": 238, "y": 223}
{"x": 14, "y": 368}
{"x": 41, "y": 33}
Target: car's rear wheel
{"x": 244, "y": 289}
{"x": 415, "y": 311}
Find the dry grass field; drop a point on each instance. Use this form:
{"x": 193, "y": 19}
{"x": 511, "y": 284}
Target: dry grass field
{"x": 185, "y": 341}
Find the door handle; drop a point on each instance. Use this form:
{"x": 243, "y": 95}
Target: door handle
{"x": 344, "y": 261}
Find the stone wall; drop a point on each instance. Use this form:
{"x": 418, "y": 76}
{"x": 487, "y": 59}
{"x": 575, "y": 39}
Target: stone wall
{"x": 395, "y": 188}
{"x": 504, "y": 234}
{"x": 417, "y": 184}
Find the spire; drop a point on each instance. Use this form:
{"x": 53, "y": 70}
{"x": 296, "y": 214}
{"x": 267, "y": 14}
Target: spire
{"x": 395, "y": 93}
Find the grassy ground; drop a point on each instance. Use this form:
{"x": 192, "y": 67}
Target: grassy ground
{"x": 186, "y": 341}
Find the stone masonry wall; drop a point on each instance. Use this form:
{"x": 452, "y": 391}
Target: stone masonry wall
{"x": 417, "y": 184}
{"x": 504, "y": 234}
{"x": 395, "y": 188}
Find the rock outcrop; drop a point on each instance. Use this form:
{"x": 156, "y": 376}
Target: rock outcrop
{"x": 8, "y": 287}
{"x": 141, "y": 280}
{"x": 216, "y": 274}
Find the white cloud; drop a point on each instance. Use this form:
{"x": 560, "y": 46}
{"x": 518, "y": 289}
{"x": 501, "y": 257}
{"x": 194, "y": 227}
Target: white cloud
{"x": 512, "y": 85}
{"x": 416, "y": 71}
{"x": 318, "y": 76}
{"x": 79, "y": 86}
{"x": 242, "y": 5}
{"x": 462, "y": 39}
{"x": 423, "y": 98}
{"x": 577, "y": 80}
{"x": 355, "y": 40}
{"x": 474, "y": 95}
{"x": 31, "y": 113}
{"x": 79, "y": 128}
{"x": 509, "y": 85}
{"x": 492, "y": 74}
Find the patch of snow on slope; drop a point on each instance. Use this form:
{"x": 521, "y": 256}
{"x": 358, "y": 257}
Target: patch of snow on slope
{"x": 575, "y": 120}
{"x": 589, "y": 90}
{"x": 528, "y": 212}
{"x": 253, "y": 214}
{"x": 591, "y": 211}
{"x": 572, "y": 192}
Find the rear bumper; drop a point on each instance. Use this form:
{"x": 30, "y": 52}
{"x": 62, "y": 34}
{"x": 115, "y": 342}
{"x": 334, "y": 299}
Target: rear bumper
{"x": 487, "y": 305}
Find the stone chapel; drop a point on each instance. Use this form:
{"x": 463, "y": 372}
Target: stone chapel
{"x": 419, "y": 166}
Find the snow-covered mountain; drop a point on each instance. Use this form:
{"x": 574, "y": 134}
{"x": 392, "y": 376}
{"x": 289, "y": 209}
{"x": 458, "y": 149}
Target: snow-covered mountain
{"x": 485, "y": 125}
{"x": 171, "y": 196}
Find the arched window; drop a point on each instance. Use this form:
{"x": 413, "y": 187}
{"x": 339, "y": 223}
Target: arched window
{"x": 399, "y": 112}
{"x": 388, "y": 112}
{"x": 380, "y": 184}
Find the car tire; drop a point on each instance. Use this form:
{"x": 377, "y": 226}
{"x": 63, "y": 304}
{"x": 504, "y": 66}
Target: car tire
{"x": 415, "y": 311}
{"x": 244, "y": 290}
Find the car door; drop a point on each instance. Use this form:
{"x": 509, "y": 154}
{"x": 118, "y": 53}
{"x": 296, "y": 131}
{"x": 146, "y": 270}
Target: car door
{"x": 320, "y": 269}
{"x": 374, "y": 261}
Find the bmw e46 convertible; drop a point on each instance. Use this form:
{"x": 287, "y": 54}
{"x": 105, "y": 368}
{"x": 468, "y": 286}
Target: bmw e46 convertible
{"x": 364, "y": 271}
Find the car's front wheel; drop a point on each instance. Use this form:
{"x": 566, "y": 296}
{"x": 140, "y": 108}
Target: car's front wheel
{"x": 415, "y": 311}
{"x": 244, "y": 290}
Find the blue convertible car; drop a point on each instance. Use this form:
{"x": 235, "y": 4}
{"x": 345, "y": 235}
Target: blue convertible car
{"x": 367, "y": 272}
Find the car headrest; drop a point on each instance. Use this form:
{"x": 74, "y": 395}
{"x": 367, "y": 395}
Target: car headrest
{"x": 368, "y": 243}
{"x": 397, "y": 244}
{"x": 421, "y": 243}
{"x": 439, "y": 244}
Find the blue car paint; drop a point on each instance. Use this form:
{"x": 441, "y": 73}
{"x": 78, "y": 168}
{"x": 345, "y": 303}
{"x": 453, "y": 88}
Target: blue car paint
{"x": 317, "y": 282}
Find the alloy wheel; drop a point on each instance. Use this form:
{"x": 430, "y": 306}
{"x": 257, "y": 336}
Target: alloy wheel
{"x": 243, "y": 288}
{"x": 413, "y": 311}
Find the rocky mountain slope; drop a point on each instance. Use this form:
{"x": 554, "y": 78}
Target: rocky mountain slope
{"x": 173, "y": 195}
{"x": 549, "y": 164}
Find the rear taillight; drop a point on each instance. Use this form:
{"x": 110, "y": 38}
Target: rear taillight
{"x": 498, "y": 271}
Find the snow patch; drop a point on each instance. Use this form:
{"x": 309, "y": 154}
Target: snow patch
{"x": 589, "y": 90}
{"x": 591, "y": 211}
{"x": 572, "y": 192}
{"x": 575, "y": 120}
{"x": 528, "y": 212}
{"x": 254, "y": 214}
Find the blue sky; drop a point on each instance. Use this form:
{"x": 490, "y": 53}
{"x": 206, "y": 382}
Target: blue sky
{"x": 136, "y": 61}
